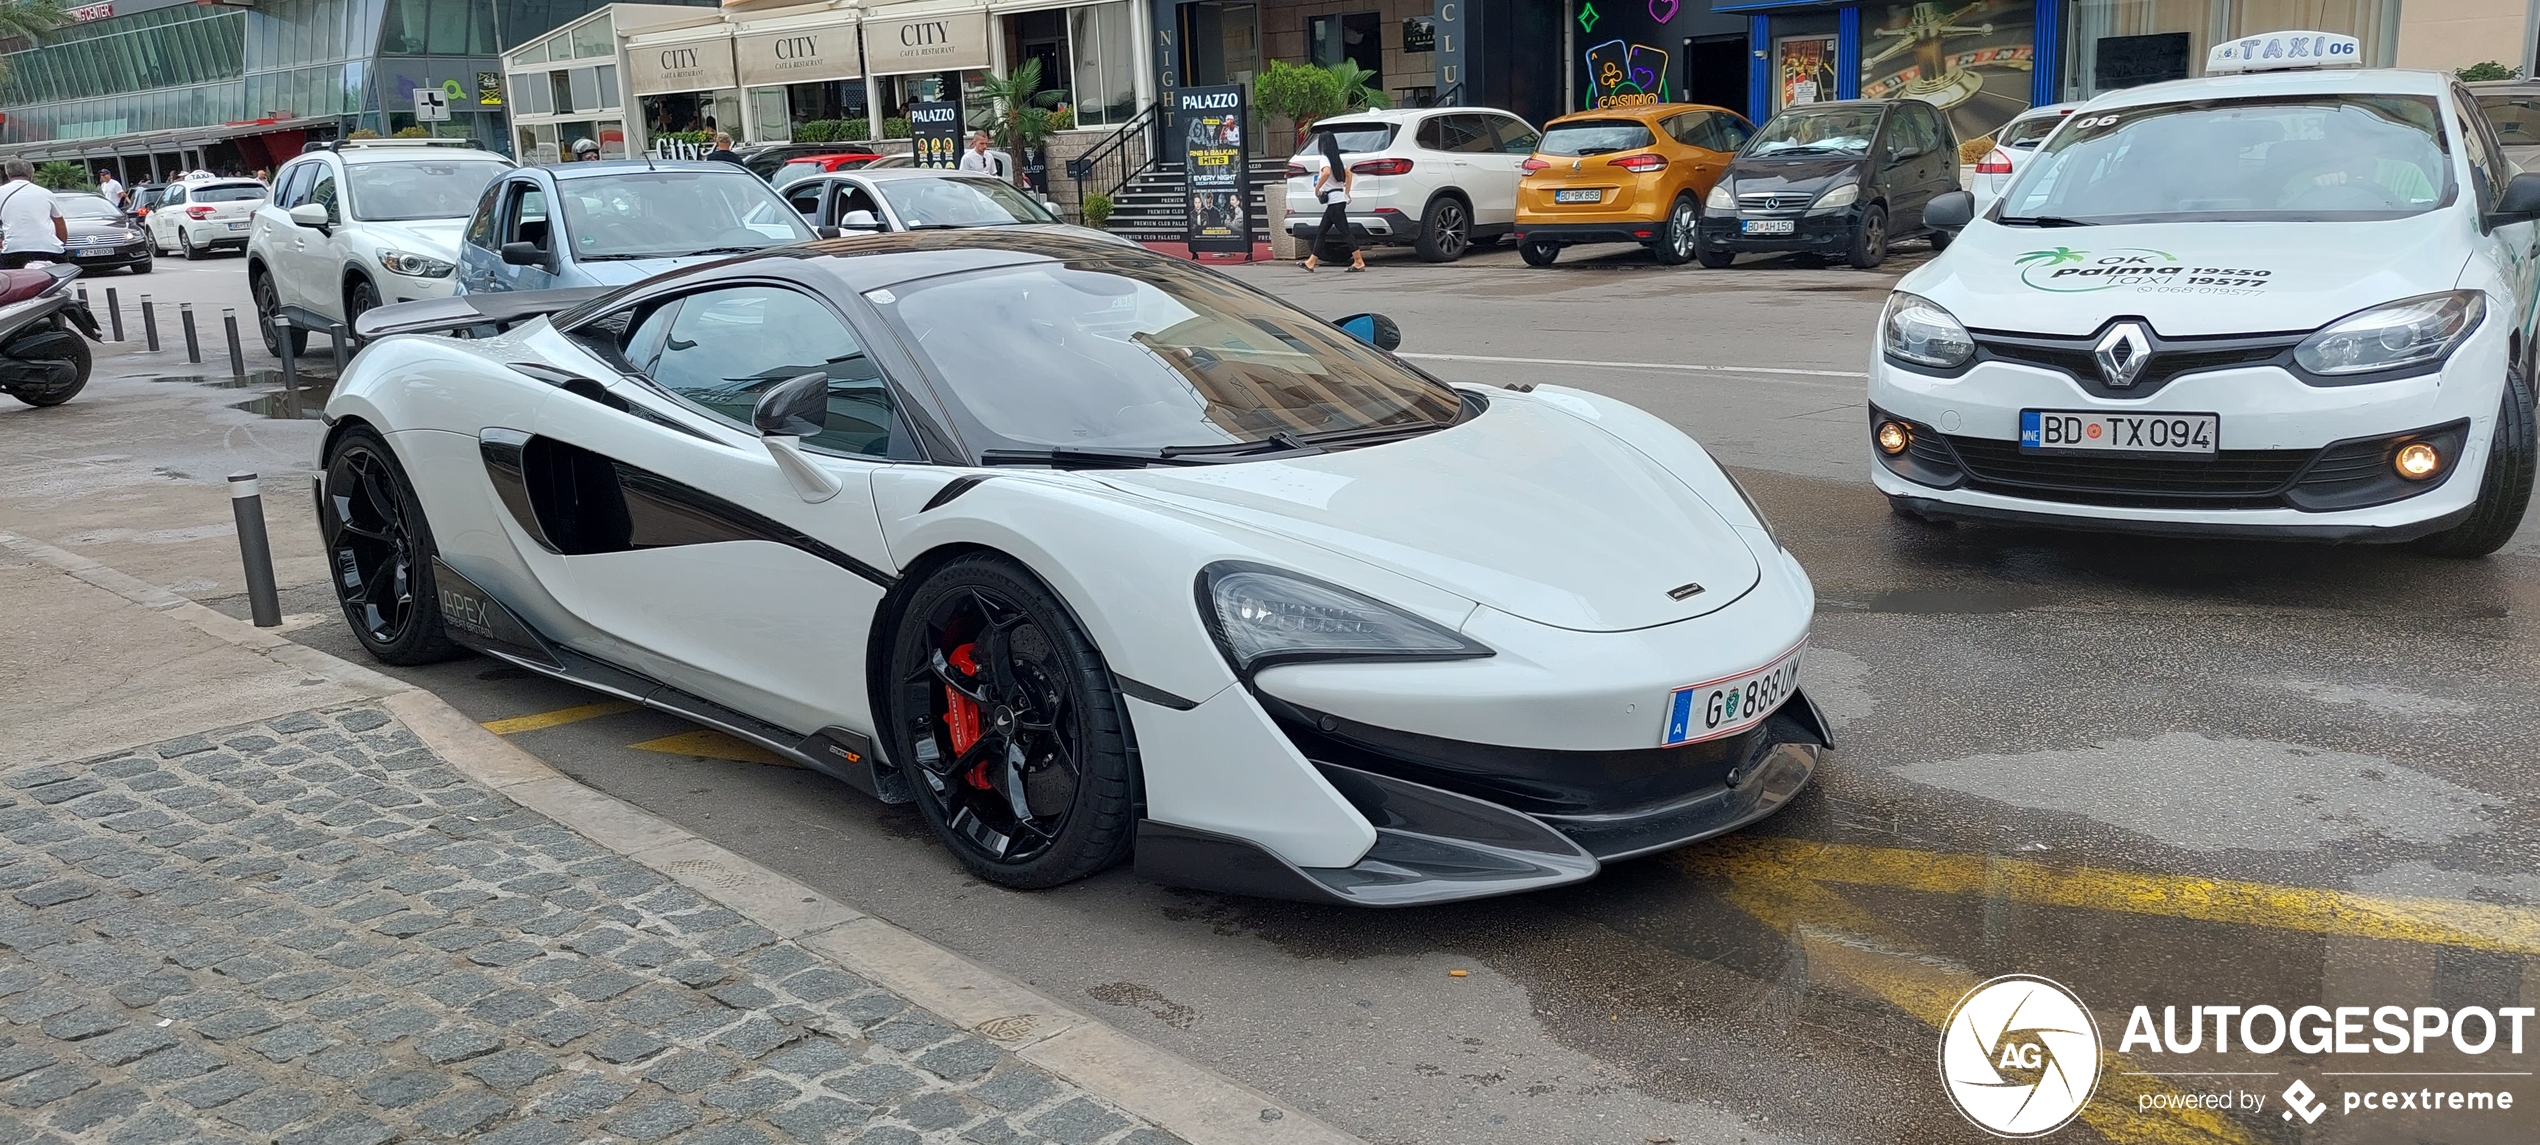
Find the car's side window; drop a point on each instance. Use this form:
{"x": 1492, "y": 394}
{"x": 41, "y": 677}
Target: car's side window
{"x": 853, "y": 198}
{"x": 525, "y": 217}
{"x": 1733, "y": 131}
{"x": 2483, "y": 169}
{"x": 295, "y": 185}
{"x": 724, "y": 348}
{"x": 1515, "y": 138}
{"x": 480, "y": 225}
{"x": 1430, "y": 136}
{"x": 1480, "y": 137}
{"x": 804, "y": 197}
{"x": 1935, "y": 129}
{"x": 322, "y": 192}
{"x": 175, "y": 198}
{"x": 1691, "y": 129}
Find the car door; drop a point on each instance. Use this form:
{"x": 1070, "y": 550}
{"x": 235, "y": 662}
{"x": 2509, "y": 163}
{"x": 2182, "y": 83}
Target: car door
{"x": 524, "y": 217}
{"x": 1704, "y": 157}
{"x": 479, "y": 255}
{"x": 1497, "y": 169}
{"x": 1893, "y": 155}
{"x": 162, "y": 230}
{"x": 274, "y": 233}
{"x": 810, "y": 198}
{"x": 688, "y": 550}
{"x": 314, "y": 273}
{"x": 2515, "y": 247}
{"x": 1940, "y": 172}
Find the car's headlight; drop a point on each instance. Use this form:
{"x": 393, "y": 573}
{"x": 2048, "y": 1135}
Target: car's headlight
{"x": 1836, "y": 199}
{"x": 1261, "y": 615}
{"x": 2409, "y": 332}
{"x": 1917, "y": 332}
{"x": 1721, "y": 198}
{"x": 414, "y": 265}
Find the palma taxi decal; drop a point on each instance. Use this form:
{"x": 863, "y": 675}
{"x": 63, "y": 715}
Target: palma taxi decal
{"x": 2063, "y": 270}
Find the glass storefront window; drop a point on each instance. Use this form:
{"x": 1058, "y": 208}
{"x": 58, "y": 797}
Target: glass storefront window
{"x": 560, "y": 90}
{"x": 608, "y": 85}
{"x": 586, "y": 87}
{"x": 1105, "y": 58}
{"x": 2112, "y": 44}
{"x": 592, "y": 39}
{"x": 690, "y": 111}
{"x": 436, "y": 27}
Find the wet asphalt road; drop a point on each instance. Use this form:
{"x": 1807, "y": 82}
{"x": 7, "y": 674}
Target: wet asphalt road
{"x": 2160, "y": 773}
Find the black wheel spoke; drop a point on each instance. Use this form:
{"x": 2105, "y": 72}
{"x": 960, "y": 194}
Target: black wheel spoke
{"x": 941, "y": 668}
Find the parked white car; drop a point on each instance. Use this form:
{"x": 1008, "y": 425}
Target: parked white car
{"x": 200, "y": 215}
{"x": 359, "y": 224}
{"x": 2013, "y": 146}
{"x": 1439, "y": 178}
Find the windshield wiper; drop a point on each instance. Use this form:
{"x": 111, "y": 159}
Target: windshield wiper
{"x": 1280, "y": 442}
{"x": 2043, "y": 221}
{"x": 1064, "y": 457}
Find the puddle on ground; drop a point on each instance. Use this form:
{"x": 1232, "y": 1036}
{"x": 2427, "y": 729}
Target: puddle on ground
{"x": 255, "y": 379}
{"x": 307, "y": 402}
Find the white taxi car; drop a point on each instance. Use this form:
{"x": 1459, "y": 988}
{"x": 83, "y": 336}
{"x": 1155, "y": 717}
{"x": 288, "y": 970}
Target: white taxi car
{"x": 2292, "y": 299}
{"x": 197, "y": 216}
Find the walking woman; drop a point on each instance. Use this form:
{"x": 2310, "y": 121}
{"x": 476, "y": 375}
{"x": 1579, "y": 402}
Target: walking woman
{"x": 1331, "y": 188}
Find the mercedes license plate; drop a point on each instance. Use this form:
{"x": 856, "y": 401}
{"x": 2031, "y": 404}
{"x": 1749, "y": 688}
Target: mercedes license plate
{"x": 1766, "y": 226}
{"x": 1587, "y": 195}
{"x": 1731, "y": 704}
{"x": 2086, "y": 431}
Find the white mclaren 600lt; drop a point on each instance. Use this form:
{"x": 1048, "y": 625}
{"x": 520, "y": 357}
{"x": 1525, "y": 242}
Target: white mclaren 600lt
{"x": 1090, "y": 552}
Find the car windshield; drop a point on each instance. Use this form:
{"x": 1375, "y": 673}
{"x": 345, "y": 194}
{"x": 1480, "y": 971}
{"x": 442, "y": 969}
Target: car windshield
{"x": 950, "y": 202}
{"x": 1593, "y": 137}
{"x": 1355, "y": 138}
{"x": 403, "y": 190}
{"x": 1142, "y": 354}
{"x": 2309, "y": 158}
{"x": 86, "y": 207}
{"x": 2027, "y": 133}
{"x": 1836, "y": 131}
{"x": 668, "y": 214}
{"x": 225, "y": 193}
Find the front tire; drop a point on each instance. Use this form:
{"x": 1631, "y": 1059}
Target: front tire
{"x": 1008, "y": 728}
{"x": 1539, "y": 254}
{"x": 1715, "y": 259}
{"x": 141, "y": 267}
{"x": 2504, "y": 491}
{"x": 1446, "y": 229}
{"x": 361, "y": 296}
{"x": 1869, "y": 240}
{"x": 1684, "y": 222}
{"x": 379, "y": 552}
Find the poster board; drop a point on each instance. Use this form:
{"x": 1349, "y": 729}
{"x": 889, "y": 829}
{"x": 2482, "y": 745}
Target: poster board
{"x": 1209, "y": 121}
{"x": 935, "y": 133}
{"x": 1804, "y": 66}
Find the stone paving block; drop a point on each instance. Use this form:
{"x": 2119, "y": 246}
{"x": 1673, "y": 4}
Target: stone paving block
{"x": 343, "y": 1129}
{"x": 127, "y": 1045}
{"x": 528, "y": 1133}
{"x": 1018, "y": 1087}
{"x": 457, "y": 1045}
{"x": 271, "y": 1110}
{"x": 464, "y": 1114}
{"x": 933, "y": 1109}
{"x": 690, "y": 1070}
{"x": 588, "y": 1095}
{"x": 562, "y": 1026}
{"x": 888, "y": 1135}
{"x": 874, "y": 1084}
{"x": 907, "y": 1034}
{"x": 627, "y": 1046}
{"x": 17, "y": 1060}
{"x": 52, "y": 1083}
{"x": 511, "y": 1068}
{"x": 751, "y": 1095}
{"x": 960, "y": 1060}
{"x": 219, "y": 1088}
{"x": 398, "y": 1090}
{"x": 725, "y": 1133}
{"x": 757, "y": 1037}
{"x": 819, "y": 1119}
{"x": 84, "y": 1022}
{"x": 176, "y": 1064}
{"x": 652, "y": 1122}
{"x": 1078, "y": 1122}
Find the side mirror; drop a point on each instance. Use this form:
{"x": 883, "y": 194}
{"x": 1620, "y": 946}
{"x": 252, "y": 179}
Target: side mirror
{"x": 795, "y": 407}
{"x": 311, "y": 215}
{"x": 2520, "y": 202}
{"x": 524, "y": 254}
{"x": 827, "y": 232}
{"x": 1374, "y": 329}
{"x": 1950, "y": 210}
{"x": 859, "y": 221}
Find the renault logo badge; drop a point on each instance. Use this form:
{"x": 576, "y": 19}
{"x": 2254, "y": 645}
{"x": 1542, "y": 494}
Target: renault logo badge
{"x": 2122, "y": 353}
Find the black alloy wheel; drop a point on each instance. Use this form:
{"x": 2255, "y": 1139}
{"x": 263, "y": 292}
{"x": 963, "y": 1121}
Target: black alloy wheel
{"x": 1445, "y": 230}
{"x": 1684, "y": 221}
{"x": 1008, "y": 728}
{"x": 379, "y": 552}
{"x": 359, "y": 298}
{"x": 1539, "y": 253}
{"x": 269, "y": 307}
{"x": 1869, "y": 239}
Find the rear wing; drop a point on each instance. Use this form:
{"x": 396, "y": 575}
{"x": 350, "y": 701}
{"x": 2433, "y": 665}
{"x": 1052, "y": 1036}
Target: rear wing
{"x": 471, "y": 315}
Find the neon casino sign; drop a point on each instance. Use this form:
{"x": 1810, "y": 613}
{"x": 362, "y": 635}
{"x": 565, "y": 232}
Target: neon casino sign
{"x": 1623, "y": 74}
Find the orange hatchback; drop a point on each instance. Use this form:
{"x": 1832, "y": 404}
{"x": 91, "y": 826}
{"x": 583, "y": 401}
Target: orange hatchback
{"x": 1624, "y": 175}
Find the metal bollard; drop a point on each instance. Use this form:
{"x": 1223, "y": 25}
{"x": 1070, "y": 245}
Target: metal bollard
{"x": 149, "y": 324}
{"x": 290, "y": 361}
{"x": 263, "y": 601}
{"x": 193, "y": 347}
{"x": 335, "y": 332}
{"x": 114, "y": 314}
{"x": 237, "y": 356}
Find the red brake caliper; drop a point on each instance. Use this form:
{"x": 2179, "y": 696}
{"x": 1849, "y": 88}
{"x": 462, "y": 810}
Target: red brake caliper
{"x": 961, "y": 714}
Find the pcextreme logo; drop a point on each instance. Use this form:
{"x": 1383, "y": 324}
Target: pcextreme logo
{"x": 2020, "y": 1056}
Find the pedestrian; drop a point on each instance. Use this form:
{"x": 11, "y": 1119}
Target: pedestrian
{"x": 109, "y": 186}
{"x": 31, "y": 225}
{"x": 723, "y": 152}
{"x": 977, "y": 161}
{"x": 1331, "y": 188}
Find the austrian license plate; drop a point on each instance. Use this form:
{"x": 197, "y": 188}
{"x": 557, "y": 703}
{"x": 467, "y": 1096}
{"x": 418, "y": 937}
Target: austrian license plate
{"x": 1589, "y": 195}
{"x": 2079, "y": 431}
{"x": 1732, "y": 704}
{"x": 1766, "y": 226}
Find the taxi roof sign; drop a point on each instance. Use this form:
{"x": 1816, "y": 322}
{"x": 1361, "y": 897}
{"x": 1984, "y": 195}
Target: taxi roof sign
{"x": 2283, "y": 51}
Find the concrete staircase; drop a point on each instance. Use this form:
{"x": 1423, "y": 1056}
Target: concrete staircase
{"x": 1154, "y": 207}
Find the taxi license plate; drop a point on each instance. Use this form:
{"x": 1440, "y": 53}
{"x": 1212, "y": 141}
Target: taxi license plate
{"x": 1766, "y": 226}
{"x": 1590, "y": 195}
{"x": 1730, "y": 705}
{"x": 2084, "y": 431}
{"x": 238, "y": 226}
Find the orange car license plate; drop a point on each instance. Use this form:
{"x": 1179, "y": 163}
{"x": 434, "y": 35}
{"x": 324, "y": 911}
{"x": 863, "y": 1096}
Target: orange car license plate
{"x": 1587, "y": 195}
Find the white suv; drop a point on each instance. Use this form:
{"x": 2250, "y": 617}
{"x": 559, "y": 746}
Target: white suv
{"x": 1440, "y": 178}
{"x": 360, "y": 224}
{"x": 202, "y": 215}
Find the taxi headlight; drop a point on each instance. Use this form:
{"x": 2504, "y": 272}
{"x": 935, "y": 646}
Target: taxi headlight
{"x": 1917, "y": 332}
{"x": 2409, "y": 332}
{"x": 1261, "y": 616}
{"x": 1837, "y": 199}
{"x": 1721, "y": 198}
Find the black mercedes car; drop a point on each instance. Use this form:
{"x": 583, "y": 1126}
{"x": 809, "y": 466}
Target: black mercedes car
{"x": 1843, "y": 179}
{"x": 102, "y": 237}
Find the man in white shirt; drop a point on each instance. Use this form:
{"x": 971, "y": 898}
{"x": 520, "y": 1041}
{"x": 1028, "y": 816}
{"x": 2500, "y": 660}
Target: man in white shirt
{"x": 31, "y": 224}
{"x": 977, "y": 161}
{"x": 109, "y": 186}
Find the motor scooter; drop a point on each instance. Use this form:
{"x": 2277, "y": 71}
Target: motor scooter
{"x": 44, "y": 359}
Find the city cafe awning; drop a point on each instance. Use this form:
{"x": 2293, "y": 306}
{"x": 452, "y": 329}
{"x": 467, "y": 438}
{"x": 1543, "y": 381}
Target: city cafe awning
{"x": 693, "y": 58}
{"x": 796, "y": 45}
{"x": 927, "y": 36}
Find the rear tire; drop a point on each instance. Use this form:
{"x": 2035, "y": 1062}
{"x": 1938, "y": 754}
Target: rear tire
{"x": 1539, "y": 254}
{"x": 185, "y": 245}
{"x": 1869, "y": 240}
{"x": 268, "y": 307}
{"x": 2504, "y": 491}
{"x": 80, "y": 360}
{"x": 1675, "y": 247}
{"x": 379, "y": 552}
{"x": 1446, "y": 229}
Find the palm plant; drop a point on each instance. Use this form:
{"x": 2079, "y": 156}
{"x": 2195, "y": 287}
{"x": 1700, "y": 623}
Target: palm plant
{"x": 29, "y": 20}
{"x": 1020, "y": 115}
{"x": 1358, "y": 91}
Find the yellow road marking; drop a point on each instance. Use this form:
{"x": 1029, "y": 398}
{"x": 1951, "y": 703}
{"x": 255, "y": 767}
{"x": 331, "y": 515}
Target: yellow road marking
{"x": 557, "y": 717}
{"x": 713, "y": 745}
{"x": 2440, "y": 922}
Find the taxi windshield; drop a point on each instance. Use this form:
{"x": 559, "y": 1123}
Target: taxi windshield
{"x": 1139, "y": 354}
{"x": 2305, "y": 158}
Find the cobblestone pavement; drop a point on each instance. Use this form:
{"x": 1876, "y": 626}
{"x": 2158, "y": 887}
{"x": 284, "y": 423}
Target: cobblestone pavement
{"x": 312, "y": 932}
